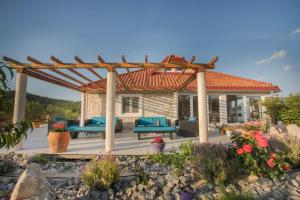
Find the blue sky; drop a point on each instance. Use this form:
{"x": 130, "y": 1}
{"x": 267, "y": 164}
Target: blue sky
{"x": 255, "y": 39}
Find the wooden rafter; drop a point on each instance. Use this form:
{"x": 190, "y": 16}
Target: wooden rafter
{"x": 119, "y": 79}
{"x": 39, "y": 63}
{"x": 50, "y": 80}
{"x": 55, "y": 78}
{"x": 90, "y": 69}
{"x": 179, "y": 76}
{"x": 188, "y": 81}
{"x": 59, "y": 62}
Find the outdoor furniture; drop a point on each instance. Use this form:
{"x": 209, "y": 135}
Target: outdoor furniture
{"x": 94, "y": 125}
{"x": 188, "y": 128}
{"x": 153, "y": 125}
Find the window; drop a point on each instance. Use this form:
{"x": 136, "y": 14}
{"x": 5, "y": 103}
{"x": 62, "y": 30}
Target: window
{"x": 130, "y": 104}
{"x": 184, "y": 107}
{"x": 234, "y": 108}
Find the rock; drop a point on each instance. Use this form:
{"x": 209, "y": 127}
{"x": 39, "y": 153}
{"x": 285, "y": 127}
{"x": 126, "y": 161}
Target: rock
{"x": 294, "y": 130}
{"x": 252, "y": 178}
{"x": 294, "y": 183}
{"x": 104, "y": 195}
{"x": 32, "y": 184}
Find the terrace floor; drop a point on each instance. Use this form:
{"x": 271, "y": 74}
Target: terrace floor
{"x": 126, "y": 143}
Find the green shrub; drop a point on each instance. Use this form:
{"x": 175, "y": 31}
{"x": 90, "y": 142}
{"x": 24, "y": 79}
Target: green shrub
{"x": 177, "y": 160}
{"x": 101, "y": 172}
{"x": 273, "y": 106}
{"x": 40, "y": 158}
{"x": 290, "y": 114}
{"x": 235, "y": 196}
{"x": 141, "y": 176}
{"x": 257, "y": 157}
{"x": 213, "y": 163}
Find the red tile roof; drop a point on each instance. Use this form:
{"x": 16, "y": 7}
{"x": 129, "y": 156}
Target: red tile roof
{"x": 148, "y": 79}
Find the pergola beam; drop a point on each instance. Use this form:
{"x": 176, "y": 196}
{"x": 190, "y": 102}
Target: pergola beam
{"x": 90, "y": 69}
{"x": 188, "y": 81}
{"x": 59, "y": 62}
{"x": 119, "y": 79}
{"x": 53, "y": 81}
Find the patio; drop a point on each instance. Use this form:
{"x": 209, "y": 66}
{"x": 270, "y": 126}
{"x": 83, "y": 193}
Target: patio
{"x": 126, "y": 143}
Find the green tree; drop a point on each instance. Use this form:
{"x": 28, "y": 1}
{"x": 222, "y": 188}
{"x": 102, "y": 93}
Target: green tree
{"x": 273, "y": 105}
{"x": 10, "y": 133}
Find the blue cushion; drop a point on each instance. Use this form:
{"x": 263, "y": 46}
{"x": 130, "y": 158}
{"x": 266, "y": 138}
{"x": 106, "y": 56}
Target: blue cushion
{"x": 153, "y": 129}
{"x": 192, "y": 119}
{"x": 59, "y": 119}
{"x": 101, "y": 120}
{"x": 146, "y": 121}
{"x": 86, "y": 129}
{"x": 162, "y": 121}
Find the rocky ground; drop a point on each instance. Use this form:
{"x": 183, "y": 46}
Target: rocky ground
{"x": 142, "y": 179}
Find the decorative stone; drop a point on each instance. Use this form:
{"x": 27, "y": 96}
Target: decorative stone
{"x": 32, "y": 185}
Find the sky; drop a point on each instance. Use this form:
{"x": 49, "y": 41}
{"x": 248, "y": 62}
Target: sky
{"x": 258, "y": 39}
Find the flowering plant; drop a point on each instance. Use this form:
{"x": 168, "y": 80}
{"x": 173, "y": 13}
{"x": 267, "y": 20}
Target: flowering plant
{"x": 158, "y": 140}
{"x": 252, "y": 126}
{"x": 256, "y": 157}
{"x": 58, "y": 127}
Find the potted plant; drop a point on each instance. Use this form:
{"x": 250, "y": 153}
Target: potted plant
{"x": 223, "y": 129}
{"x": 158, "y": 145}
{"x": 228, "y": 131}
{"x": 58, "y": 138}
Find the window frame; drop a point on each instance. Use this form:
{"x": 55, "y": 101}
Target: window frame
{"x": 130, "y": 114}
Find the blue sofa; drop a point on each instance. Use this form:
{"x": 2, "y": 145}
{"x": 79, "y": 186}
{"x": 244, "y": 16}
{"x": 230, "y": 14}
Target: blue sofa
{"x": 153, "y": 125}
{"x": 94, "y": 125}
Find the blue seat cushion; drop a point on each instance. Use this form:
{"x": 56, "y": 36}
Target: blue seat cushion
{"x": 75, "y": 128}
{"x": 153, "y": 129}
{"x": 102, "y": 120}
{"x": 160, "y": 121}
{"x": 145, "y": 121}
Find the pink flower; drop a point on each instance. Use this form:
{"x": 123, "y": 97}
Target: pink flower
{"x": 273, "y": 155}
{"x": 260, "y": 139}
{"x": 247, "y": 148}
{"x": 271, "y": 163}
{"x": 239, "y": 151}
{"x": 158, "y": 140}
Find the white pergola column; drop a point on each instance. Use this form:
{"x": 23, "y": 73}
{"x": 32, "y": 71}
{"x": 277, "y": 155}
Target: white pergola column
{"x": 83, "y": 109}
{"x": 223, "y": 109}
{"x": 110, "y": 112}
{"x": 246, "y": 108}
{"x": 191, "y": 106}
{"x": 175, "y": 103}
{"x": 20, "y": 102}
{"x": 202, "y": 108}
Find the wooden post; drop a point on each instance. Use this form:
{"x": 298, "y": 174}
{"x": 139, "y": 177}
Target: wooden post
{"x": 110, "y": 111}
{"x": 83, "y": 109}
{"x": 202, "y": 109}
{"x": 20, "y": 102}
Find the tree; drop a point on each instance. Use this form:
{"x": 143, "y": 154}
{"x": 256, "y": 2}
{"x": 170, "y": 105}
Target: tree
{"x": 290, "y": 114}
{"x": 10, "y": 133}
{"x": 273, "y": 105}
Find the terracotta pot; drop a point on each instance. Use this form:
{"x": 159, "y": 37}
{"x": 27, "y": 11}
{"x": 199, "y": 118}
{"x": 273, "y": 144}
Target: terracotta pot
{"x": 36, "y": 124}
{"x": 158, "y": 147}
{"x": 58, "y": 141}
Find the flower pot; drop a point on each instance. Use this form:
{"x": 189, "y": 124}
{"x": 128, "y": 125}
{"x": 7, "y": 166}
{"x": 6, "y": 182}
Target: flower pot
{"x": 58, "y": 141}
{"x": 158, "y": 147}
{"x": 36, "y": 124}
{"x": 187, "y": 195}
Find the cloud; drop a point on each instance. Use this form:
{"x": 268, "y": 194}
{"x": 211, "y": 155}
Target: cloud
{"x": 295, "y": 32}
{"x": 286, "y": 67}
{"x": 276, "y": 55}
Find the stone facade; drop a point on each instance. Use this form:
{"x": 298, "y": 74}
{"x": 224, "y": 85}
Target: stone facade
{"x": 150, "y": 104}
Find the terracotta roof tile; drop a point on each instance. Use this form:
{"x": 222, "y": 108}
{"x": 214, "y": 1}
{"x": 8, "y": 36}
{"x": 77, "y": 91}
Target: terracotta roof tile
{"x": 148, "y": 79}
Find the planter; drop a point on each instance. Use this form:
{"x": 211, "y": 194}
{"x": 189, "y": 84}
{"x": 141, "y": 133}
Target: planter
{"x": 58, "y": 141}
{"x": 158, "y": 147}
{"x": 36, "y": 124}
{"x": 186, "y": 195}
{"x": 222, "y": 131}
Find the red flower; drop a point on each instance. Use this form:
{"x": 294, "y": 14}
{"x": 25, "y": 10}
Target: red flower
{"x": 158, "y": 140}
{"x": 260, "y": 139}
{"x": 286, "y": 167}
{"x": 247, "y": 148}
{"x": 271, "y": 163}
{"x": 239, "y": 151}
{"x": 58, "y": 125}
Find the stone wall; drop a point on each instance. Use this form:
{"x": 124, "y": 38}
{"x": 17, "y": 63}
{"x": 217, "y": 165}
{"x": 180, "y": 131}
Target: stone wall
{"x": 152, "y": 104}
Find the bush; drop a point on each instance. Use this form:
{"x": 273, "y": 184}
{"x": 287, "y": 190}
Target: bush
{"x": 273, "y": 105}
{"x": 177, "y": 160}
{"x": 213, "y": 163}
{"x": 101, "y": 173}
{"x": 7, "y": 165}
{"x": 290, "y": 114}
{"x": 289, "y": 144}
{"x": 257, "y": 157}
{"x": 235, "y": 196}
{"x": 41, "y": 159}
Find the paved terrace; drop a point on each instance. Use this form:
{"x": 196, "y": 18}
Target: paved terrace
{"x": 126, "y": 143}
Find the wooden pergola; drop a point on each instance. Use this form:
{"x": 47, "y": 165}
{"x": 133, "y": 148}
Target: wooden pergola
{"x": 70, "y": 77}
